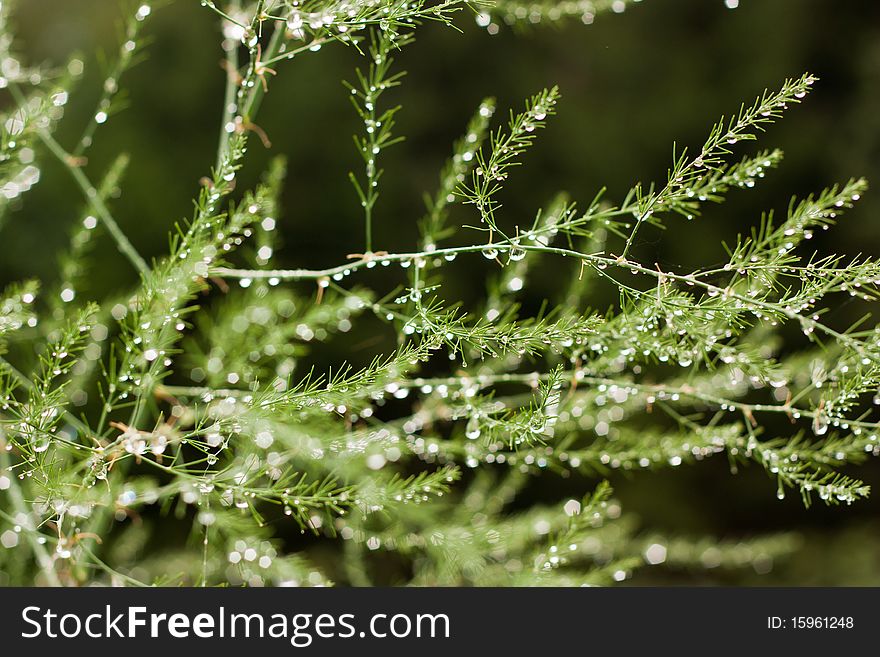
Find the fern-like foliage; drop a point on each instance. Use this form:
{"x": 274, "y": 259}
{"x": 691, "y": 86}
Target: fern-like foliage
{"x": 189, "y": 401}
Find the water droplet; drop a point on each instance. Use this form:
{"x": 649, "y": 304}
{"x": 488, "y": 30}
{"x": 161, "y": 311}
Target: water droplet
{"x": 820, "y": 424}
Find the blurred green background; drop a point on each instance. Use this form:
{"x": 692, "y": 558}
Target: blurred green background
{"x": 632, "y": 84}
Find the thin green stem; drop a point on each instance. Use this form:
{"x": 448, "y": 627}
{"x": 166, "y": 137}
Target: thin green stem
{"x": 89, "y": 191}
{"x": 533, "y": 379}
{"x": 252, "y": 105}
{"x": 111, "y": 83}
{"x": 231, "y": 63}
{"x": 597, "y": 259}
{"x": 94, "y": 198}
{"x": 131, "y": 581}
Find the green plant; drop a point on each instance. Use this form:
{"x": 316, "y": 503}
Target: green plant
{"x": 185, "y": 404}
